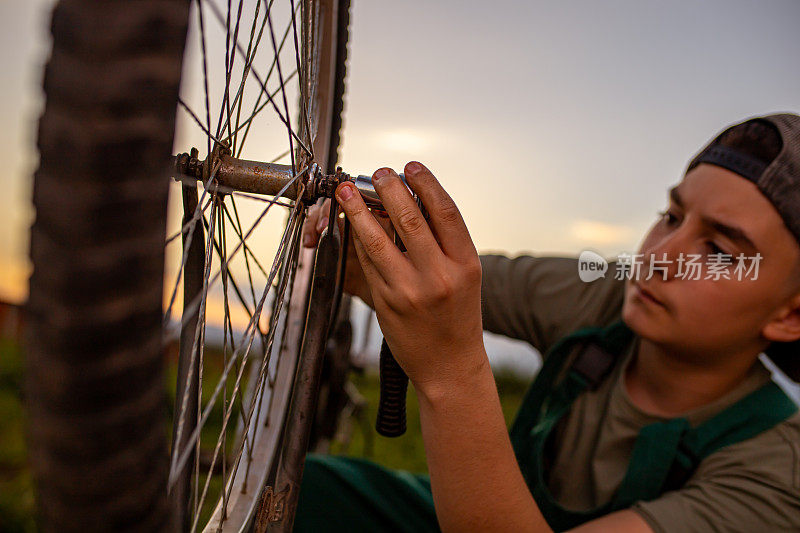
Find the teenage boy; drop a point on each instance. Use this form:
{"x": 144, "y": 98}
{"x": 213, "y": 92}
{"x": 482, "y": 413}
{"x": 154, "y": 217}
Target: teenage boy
{"x": 652, "y": 411}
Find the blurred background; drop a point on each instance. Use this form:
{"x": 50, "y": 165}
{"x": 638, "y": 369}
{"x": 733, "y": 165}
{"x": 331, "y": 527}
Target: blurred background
{"x": 555, "y": 126}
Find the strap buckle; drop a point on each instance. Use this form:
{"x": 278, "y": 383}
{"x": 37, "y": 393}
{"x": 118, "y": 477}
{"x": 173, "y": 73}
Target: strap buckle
{"x": 593, "y": 363}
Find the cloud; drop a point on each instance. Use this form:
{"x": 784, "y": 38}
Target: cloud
{"x": 406, "y": 140}
{"x": 593, "y": 232}
{"x": 14, "y": 275}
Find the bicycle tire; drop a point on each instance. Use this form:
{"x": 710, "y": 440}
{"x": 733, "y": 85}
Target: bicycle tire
{"x": 94, "y": 372}
{"x": 94, "y": 390}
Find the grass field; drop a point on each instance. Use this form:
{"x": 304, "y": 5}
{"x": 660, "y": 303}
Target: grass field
{"x": 16, "y": 486}
{"x": 407, "y": 452}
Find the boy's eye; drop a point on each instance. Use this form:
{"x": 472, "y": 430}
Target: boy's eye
{"x": 716, "y": 249}
{"x": 668, "y": 217}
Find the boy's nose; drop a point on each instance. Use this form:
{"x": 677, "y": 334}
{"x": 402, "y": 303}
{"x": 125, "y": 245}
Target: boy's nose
{"x": 663, "y": 259}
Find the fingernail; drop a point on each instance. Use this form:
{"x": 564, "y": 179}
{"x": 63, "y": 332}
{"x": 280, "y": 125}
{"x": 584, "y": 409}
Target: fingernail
{"x": 321, "y": 223}
{"x": 413, "y": 167}
{"x": 307, "y": 241}
{"x": 345, "y": 193}
{"x": 381, "y": 173}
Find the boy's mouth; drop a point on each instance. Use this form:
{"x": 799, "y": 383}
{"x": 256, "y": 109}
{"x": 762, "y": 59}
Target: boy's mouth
{"x": 646, "y": 295}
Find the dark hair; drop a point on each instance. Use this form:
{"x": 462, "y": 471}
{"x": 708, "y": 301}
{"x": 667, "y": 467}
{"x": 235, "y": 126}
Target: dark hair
{"x": 786, "y": 355}
{"x": 761, "y": 140}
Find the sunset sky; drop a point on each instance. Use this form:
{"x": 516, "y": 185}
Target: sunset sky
{"x": 556, "y": 126}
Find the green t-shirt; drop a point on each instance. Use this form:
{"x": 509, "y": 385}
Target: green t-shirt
{"x": 750, "y": 486}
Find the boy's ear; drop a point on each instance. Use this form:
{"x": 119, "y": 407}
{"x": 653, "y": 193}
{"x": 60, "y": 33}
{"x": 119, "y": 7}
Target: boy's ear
{"x": 785, "y": 326}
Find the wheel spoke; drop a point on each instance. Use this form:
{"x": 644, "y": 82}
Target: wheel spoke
{"x": 303, "y": 88}
{"x": 283, "y": 92}
{"x": 237, "y": 228}
{"x": 198, "y": 212}
{"x": 199, "y": 331}
{"x": 261, "y": 82}
{"x": 278, "y": 303}
{"x": 227, "y": 406}
{"x": 228, "y": 276}
{"x": 312, "y": 65}
{"x": 229, "y": 62}
{"x": 261, "y": 93}
{"x": 179, "y": 460}
{"x": 169, "y": 333}
{"x": 205, "y": 70}
{"x": 249, "y": 58}
{"x": 279, "y": 157}
{"x": 226, "y": 321}
{"x": 249, "y": 120}
{"x": 197, "y": 120}
{"x": 189, "y": 225}
{"x": 259, "y": 198}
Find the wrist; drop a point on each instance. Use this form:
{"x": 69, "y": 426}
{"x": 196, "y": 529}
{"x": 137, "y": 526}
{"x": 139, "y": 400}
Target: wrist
{"x": 471, "y": 375}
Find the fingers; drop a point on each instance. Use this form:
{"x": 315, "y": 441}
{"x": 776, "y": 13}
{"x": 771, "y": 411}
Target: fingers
{"x": 444, "y": 216}
{"x": 316, "y": 222}
{"x": 406, "y": 217}
{"x": 375, "y": 281}
{"x": 376, "y": 245}
{"x": 385, "y": 222}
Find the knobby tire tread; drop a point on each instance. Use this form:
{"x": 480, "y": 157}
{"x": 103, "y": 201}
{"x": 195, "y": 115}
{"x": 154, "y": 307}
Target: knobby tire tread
{"x": 94, "y": 373}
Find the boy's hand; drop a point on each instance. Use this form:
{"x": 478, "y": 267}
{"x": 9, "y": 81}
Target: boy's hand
{"x": 316, "y": 222}
{"x": 427, "y": 299}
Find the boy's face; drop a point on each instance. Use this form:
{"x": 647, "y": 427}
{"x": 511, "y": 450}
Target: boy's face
{"x": 709, "y": 318}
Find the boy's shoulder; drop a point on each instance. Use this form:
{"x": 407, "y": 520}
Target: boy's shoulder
{"x": 540, "y": 299}
{"x": 774, "y": 454}
{"x": 753, "y": 485}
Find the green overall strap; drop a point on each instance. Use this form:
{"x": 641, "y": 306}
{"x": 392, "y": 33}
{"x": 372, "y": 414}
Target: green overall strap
{"x": 537, "y": 399}
{"x": 551, "y": 396}
{"x": 546, "y": 400}
{"x": 667, "y": 453}
{"x": 757, "y": 412}
{"x": 612, "y": 338}
{"x": 654, "y": 453}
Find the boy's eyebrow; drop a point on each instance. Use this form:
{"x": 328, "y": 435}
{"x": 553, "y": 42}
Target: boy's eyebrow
{"x": 733, "y": 233}
{"x": 675, "y": 196}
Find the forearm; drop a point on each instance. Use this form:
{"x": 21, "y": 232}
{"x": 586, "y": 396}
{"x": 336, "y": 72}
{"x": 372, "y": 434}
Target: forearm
{"x": 476, "y": 482}
{"x": 428, "y": 304}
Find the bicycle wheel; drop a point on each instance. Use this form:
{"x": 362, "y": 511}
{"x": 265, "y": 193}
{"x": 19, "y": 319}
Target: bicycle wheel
{"x": 97, "y": 302}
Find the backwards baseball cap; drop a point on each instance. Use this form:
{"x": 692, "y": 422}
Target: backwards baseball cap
{"x": 778, "y": 179}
